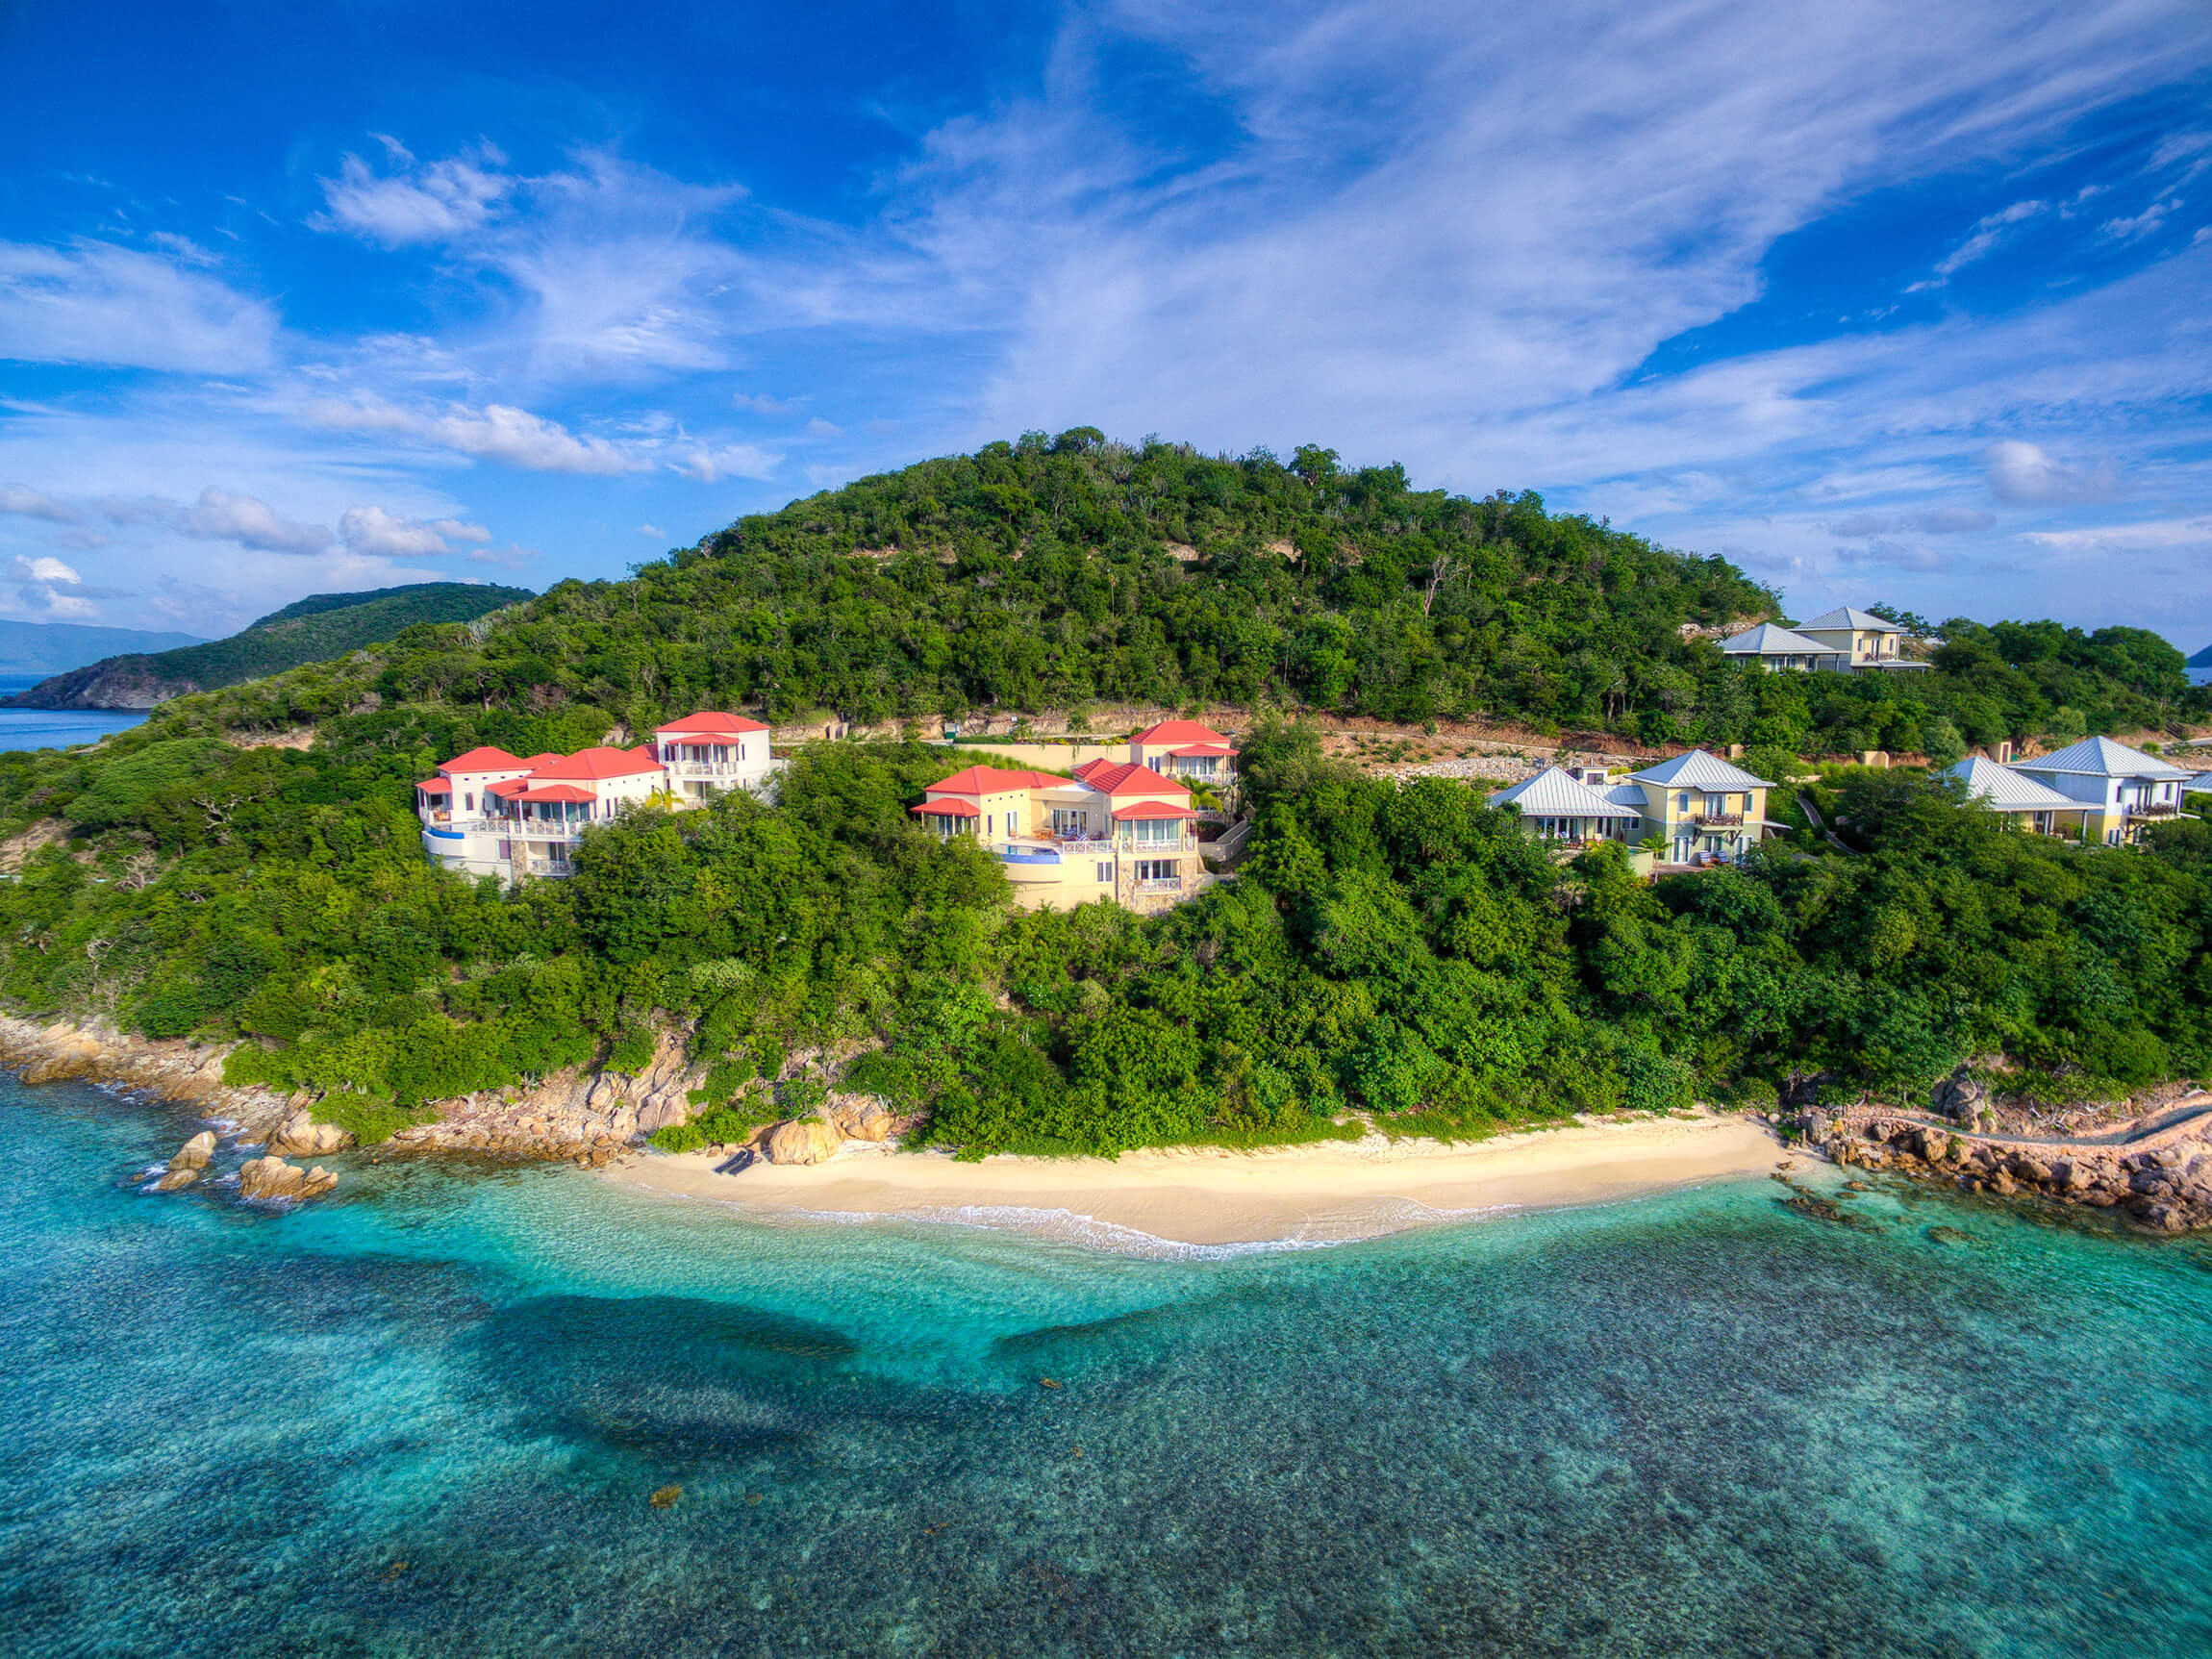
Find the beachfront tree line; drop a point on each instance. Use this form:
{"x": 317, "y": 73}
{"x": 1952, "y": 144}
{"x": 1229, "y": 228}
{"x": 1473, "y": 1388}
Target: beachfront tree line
{"x": 1405, "y": 953}
{"x": 1059, "y": 574}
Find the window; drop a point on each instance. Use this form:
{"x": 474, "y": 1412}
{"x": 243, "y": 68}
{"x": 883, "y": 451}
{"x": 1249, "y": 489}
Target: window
{"x": 1013, "y": 823}
{"x": 1156, "y": 869}
{"x": 1071, "y": 821}
{"x": 1105, "y": 872}
{"x": 468, "y": 803}
{"x": 1682, "y": 801}
{"x": 988, "y": 822}
{"x": 1157, "y": 830}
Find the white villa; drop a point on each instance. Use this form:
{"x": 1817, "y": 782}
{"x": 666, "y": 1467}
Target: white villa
{"x": 491, "y": 813}
{"x": 2034, "y": 807}
{"x": 2118, "y": 789}
{"x": 1700, "y": 806}
{"x": 1844, "y": 641}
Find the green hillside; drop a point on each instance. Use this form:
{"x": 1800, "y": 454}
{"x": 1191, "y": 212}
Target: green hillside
{"x": 320, "y": 626}
{"x": 1052, "y": 574}
{"x": 54, "y": 647}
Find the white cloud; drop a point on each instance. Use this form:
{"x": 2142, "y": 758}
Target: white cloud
{"x": 48, "y": 588}
{"x": 651, "y": 530}
{"x": 497, "y": 432}
{"x": 436, "y": 203}
{"x": 2022, "y": 472}
{"x": 373, "y": 533}
{"x": 820, "y": 428}
{"x": 98, "y": 303}
{"x": 29, "y": 503}
{"x": 1984, "y": 237}
{"x": 219, "y": 516}
{"x": 710, "y": 465}
{"x": 2157, "y": 532}
{"x": 42, "y": 570}
{"x": 760, "y": 403}
{"x": 2142, "y": 224}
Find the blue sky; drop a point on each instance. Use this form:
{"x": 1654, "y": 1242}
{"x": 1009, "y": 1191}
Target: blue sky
{"x": 1882, "y": 301}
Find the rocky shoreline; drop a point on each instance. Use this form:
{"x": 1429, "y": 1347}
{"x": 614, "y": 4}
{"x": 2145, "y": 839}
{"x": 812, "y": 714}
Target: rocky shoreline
{"x": 2156, "y": 1170}
{"x": 585, "y": 1117}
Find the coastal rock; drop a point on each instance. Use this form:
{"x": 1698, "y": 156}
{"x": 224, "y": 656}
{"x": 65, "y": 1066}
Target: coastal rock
{"x": 178, "y": 1178}
{"x": 660, "y": 1113}
{"x": 861, "y": 1117}
{"x": 271, "y": 1177}
{"x": 194, "y": 1154}
{"x": 300, "y": 1135}
{"x": 801, "y": 1140}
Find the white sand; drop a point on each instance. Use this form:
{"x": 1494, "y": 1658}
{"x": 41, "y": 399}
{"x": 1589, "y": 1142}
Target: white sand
{"x": 1332, "y": 1191}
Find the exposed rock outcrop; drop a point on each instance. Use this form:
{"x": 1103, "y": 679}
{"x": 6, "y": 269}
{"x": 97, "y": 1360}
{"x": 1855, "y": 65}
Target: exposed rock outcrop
{"x": 2159, "y": 1173}
{"x": 270, "y": 1178}
{"x": 194, "y": 1153}
{"x": 300, "y": 1136}
{"x": 177, "y": 1179}
{"x": 801, "y": 1140}
{"x": 861, "y": 1117}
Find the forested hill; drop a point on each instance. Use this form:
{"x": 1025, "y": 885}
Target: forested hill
{"x": 309, "y": 630}
{"x": 1053, "y": 573}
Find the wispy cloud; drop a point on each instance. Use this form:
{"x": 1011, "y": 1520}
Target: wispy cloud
{"x": 94, "y": 302}
{"x": 2023, "y": 472}
{"x": 219, "y": 516}
{"x": 373, "y": 533}
{"x": 29, "y": 503}
{"x": 434, "y": 203}
{"x": 498, "y": 432}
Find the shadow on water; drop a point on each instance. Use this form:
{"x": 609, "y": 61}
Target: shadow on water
{"x": 668, "y": 1376}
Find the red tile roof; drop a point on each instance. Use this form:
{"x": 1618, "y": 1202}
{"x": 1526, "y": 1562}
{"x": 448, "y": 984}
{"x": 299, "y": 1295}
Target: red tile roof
{"x": 484, "y": 760}
{"x": 1126, "y": 779}
{"x": 507, "y": 786}
{"x": 949, "y": 808}
{"x": 597, "y": 763}
{"x": 1178, "y": 732}
{"x": 709, "y": 721}
{"x": 1152, "y": 810}
{"x": 1203, "y": 749}
{"x": 991, "y": 780}
{"x": 543, "y": 758}
{"x": 557, "y": 793}
{"x": 434, "y": 786}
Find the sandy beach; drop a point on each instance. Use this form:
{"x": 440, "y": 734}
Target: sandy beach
{"x": 1207, "y": 1196}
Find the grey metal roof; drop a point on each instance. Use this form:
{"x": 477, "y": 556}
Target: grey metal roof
{"x": 1844, "y": 617}
{"x": 1700, "y": 770}
{"x": 2201, "y": 784}
{"x": 1773, "y": 639}
{"x": 1552, "y": 793}
{"x": 2002, "y": 790}
{"x": 2102, "y": 757}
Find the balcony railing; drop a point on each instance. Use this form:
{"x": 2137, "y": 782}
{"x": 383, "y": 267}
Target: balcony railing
{"x": 1716, "y": 820}
{"x": 710, "y": 768}
{"x": 2153, "y": 810}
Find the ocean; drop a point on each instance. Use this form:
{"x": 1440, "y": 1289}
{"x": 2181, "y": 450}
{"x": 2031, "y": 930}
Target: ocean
{"x": 427, "y": 1416}
{"x": 53, "y": 728}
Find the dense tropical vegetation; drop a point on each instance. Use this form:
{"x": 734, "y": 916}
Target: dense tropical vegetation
{"x": 1403, "y": 955}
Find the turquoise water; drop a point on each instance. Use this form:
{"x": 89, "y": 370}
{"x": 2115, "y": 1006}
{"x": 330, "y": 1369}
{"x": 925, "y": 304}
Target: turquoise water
{"x": 425, "y": 1418}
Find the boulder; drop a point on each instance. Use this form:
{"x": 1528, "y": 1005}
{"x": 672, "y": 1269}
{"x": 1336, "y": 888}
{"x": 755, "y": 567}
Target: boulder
{"x": 1935, "y": 1145}
{"x": 270, "y": 1177}
{"x": 662, "y": 1112}
{"x": 1960, "y": 1097}
{"x": 801, "y": 1140}
{"x": 194, "y": 1154}
{"x": 861, "y": 1117}
{"x": 177, "y": 1178}
{"x": 300, "y": 1134}
{"x": 2031, "y": 1169}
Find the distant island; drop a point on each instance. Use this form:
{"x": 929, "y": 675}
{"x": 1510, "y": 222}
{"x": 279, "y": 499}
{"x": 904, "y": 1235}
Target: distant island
{"x": 51, "y": 648}
{"x": 154, "y": 668}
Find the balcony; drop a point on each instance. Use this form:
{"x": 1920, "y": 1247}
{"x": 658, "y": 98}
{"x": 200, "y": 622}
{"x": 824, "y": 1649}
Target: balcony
{"x": 692, "y": 772}
{"x": 1716, "y": 821}
{"x": 2152, "y": 809}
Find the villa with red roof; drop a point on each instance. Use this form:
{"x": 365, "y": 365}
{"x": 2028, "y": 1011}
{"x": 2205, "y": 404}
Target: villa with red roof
{"x": 1117, "y": 831}
{"x": 1185, "y": 750}
{"x": 491, "y": 813}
